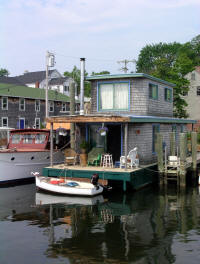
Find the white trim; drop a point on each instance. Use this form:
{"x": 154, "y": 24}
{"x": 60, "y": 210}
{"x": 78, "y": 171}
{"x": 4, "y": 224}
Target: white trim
{"x": 2, "y": 121}
{"x": 4, "y": 97}
{"x": 21, "y": 98}
{"x": 37, "y": 118}
{"x": 38, "y": 105}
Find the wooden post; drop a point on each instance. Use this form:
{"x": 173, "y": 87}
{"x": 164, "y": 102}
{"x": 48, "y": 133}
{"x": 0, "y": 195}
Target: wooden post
{"x": 172, "y": 143}
{"x": 159, "y": 150}
{"x": 72, "y": 112}
{"x": 183, "y": 150}
{"x": 126, "y": 144}
{"x": 51, "y": 144}
{"x": 194, "y": 150}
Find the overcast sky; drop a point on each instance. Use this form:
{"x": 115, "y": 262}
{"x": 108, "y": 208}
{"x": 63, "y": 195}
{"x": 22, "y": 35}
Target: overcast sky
{"x": 103, "y": 31}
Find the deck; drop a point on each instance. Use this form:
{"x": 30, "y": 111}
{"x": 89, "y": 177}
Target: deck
{"x": 136, "y": 177}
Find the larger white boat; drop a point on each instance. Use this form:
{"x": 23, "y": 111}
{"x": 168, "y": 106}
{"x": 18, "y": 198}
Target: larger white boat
{"x": 28, "y": 150}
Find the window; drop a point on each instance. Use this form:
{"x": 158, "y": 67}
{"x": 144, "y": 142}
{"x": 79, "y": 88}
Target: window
{"x": 113, "y": 96}
{"x": 193, "y": 76}
{"x": 58, "y": 88}
{"x": 4, "y": 102}
{"x": 64, "y": 107}
{"x": 51, "y": 106}
{"x": 155, "y": 130}
{"x": 37, "y": 105}
{"x": 168, "y": 95}
{"x": 37, "y": 123}
{"x": 21, "y": 104}
{"x": 153, "y": 91}
{"x": 198, "y": 90}
{"x": 66, "y": 88}
{"x": 28, "y": 139}
{"x": 16, "y": 138}
{"x": 4, "y": 122}
{"x": 40, "y": 139}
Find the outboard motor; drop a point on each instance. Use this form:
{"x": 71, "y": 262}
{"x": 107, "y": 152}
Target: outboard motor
{"x": 94, "y": 180}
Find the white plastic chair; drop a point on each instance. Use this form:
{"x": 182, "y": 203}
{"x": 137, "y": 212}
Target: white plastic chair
{"x": 132, "y": 159}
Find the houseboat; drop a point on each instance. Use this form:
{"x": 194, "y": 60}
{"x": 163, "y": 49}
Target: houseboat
{"x": 28, "y": 150}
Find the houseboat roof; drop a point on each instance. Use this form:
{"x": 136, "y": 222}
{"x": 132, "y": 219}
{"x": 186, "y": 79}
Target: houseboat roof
{"x": 127, "y": 75}
{"x": 124, "y": 118}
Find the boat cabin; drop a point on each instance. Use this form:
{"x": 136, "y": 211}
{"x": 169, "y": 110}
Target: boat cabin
{"x": 29, "y": 139}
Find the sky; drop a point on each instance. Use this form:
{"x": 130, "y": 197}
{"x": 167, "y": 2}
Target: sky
{"x": 102, "y": 31}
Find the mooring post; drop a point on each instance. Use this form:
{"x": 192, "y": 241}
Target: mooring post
{"x": 51, "y": 144}
{"x": 183, "y": 150}
{"x": 172, "y": 143}
{"x": 72, "y": 112}
{"x": 159, "y": 151}
{"x": 126, "y": 144}
{"x": 194, "y": 150}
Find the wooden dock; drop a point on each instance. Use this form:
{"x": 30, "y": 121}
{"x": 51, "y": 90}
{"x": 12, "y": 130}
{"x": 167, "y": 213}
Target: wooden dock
{"x": 135, "y": 178}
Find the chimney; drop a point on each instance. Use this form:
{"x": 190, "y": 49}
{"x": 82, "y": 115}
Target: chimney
{"x": 37, "y": 84}
{"x": 82, "y": 61}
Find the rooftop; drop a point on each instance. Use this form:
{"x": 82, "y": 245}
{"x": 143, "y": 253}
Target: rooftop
{"x": 127, "y": 75}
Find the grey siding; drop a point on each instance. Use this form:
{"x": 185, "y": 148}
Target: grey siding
{"x": 140, "y": 104}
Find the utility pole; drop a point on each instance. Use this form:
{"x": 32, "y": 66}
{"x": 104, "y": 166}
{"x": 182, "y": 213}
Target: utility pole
{"x": 50, "y": 62}
{"x": 125, "y": 62}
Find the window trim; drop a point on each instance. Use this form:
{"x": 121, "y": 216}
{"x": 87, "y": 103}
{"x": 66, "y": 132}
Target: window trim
{"x": 37, "y": 100}
{"x": 37, "y": 118}
{"x": 51, "y": 102}
{"x": 21, "y": 104}
{"x": 4, "y": 117}
{"x": 171, "y": 93}
{"x": 4, "y": 97}
{"x": 151, "y": 97}
{"x": 114, "y": 109}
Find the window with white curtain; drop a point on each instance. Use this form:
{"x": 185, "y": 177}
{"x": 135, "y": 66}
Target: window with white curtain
{"x": 114, "y": 96}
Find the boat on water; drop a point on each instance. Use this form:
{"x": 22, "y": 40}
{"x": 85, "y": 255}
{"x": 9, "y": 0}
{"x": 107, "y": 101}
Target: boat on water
{"x": 68, "y": 187}
{"x": 27, "y": 150}
{"x": 46, "y": 199}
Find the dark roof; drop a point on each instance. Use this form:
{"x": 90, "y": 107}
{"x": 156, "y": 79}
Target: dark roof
{"x": 127, "y": 75}
{"x": 31, "y": 93}
{"x": 58, "y": 81}
{"x": 10, "y": 80}
{"x": 32, "y": 77}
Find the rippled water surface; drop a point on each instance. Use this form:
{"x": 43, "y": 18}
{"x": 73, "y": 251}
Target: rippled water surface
{"x": 150, "y": 226}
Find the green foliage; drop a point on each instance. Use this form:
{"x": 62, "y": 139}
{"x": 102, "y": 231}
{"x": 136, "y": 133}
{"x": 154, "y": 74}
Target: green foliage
{"x": 76, "y": 75}
{"x": 171, "y": 62}
{"x": 4, "y": 72}
{"x": 84, "y": 145}
{"x": 100, "y": 73}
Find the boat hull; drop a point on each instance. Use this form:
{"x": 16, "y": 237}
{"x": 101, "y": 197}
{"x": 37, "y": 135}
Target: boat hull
{"x": 83, "y": 188}
{"x": 15, "y": 166}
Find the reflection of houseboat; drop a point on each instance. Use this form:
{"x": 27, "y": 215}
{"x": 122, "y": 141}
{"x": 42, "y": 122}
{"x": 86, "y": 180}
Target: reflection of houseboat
{"x": 27, "y": 151}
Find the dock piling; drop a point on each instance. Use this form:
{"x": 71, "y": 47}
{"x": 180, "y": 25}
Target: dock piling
{"x": 172, "y": 143}
{"x": 183, "y": 151}
{"x": 194, "y": 150}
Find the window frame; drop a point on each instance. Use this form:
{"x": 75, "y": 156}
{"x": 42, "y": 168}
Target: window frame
{"x": 64, "y": 111}
{"x": 151, "y": 94}
{"x": 51, "y": 102}
{"x": 113, "y": 109}
{"x": 37, "y": 118}
{"x": 2, "y": 103}
{"x": 4, "y": 118}
{"x": 166, "y": 89}
{"x": 37, "y": 110}
{"x": 21, "y": 98}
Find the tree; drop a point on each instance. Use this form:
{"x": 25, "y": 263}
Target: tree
{"x": 170, "y": 62}
{"x": 100, "y": 73}
{"x": 4, "y": 72}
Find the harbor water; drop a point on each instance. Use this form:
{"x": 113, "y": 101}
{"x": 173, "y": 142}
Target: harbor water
{"x": 153, "y": 225}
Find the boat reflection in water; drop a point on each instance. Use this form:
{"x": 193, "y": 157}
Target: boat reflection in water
{"x": 149, "y": 226}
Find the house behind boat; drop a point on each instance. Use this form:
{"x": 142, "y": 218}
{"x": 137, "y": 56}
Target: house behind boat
{"x": 141, "y": 102}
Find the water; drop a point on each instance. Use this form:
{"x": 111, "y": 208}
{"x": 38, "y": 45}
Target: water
{"x": 149, "y": 226}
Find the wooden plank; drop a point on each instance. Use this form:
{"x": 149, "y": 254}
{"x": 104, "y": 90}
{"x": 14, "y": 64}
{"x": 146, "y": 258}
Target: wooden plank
{"x": 87, "y": 119}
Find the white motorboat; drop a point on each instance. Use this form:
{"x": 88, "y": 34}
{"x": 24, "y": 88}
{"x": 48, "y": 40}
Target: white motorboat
{"x": 27, "y": 151}
{"x": 68, "y": 187}
{"x": 46, "y": 199}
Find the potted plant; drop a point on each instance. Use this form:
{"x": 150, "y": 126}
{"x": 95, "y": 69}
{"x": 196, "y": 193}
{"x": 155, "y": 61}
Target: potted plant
{"x": 83, "y": 156}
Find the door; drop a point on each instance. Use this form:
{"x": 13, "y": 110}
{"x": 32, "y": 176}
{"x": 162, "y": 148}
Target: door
{"x": 114, "y": 141}
{"x": 21, "y": 123}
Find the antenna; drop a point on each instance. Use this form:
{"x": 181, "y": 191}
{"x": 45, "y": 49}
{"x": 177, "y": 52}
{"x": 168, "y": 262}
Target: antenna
{"x": 125, "y": 62}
